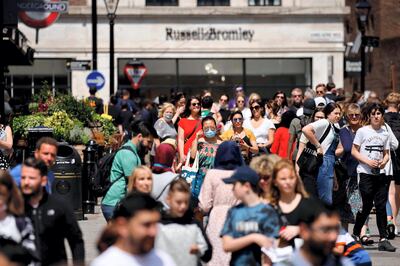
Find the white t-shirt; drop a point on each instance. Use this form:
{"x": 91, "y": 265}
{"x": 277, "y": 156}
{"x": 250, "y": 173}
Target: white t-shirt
{"x": 9, "y": 229}
{"x": 246, "y": 114}
{"x": 319, "y": 127}
{"x": 261, "y": 132}
{"x": 372, "y": 144}
{"x": 117, "y": 257}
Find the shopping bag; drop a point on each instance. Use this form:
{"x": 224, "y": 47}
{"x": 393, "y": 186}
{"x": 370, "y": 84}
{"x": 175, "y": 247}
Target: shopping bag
{"x": 189, "y": 172}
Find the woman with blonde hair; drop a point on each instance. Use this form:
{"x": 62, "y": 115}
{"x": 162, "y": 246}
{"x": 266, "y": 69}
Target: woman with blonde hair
{"x": 141, "y": 180}
{"x": 264, "y": 166}
{"x": 165, "y": 124}
{"x": 288, "y": 195}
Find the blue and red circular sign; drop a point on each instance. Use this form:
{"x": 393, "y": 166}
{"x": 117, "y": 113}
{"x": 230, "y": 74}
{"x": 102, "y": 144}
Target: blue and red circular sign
{"x": 41, "y": 13}
{"x": 95, "y": 79}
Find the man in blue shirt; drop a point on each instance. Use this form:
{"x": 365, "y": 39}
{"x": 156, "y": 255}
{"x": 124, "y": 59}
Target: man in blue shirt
{"x": 46, "y": 151}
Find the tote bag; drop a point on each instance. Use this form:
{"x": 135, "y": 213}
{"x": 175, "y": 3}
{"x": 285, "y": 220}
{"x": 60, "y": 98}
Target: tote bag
{"x": 189, "y": 172}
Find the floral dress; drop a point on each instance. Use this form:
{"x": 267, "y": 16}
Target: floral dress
{"x": 4, "y": 162}
{"x": 207, "y": 153}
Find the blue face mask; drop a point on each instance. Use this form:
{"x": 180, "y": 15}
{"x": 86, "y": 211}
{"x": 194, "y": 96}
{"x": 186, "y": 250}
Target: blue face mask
{"x": 210, "y": 133}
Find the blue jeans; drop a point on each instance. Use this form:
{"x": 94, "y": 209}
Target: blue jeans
{"x": 325, "y": 179}
{"x": 108, "y": 211}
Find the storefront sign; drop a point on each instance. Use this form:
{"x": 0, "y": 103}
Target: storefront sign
{"x": 95, "y": 79}
{"x": 209, "y": 34}
{"x": 80, "y": 65}
{"x": 41, "y": 13}
{"x": 352, "y": 68}
{"x": 326, "y": 36}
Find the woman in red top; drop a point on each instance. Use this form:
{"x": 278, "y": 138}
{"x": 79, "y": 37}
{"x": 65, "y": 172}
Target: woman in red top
{"x": 188, "y": 126}
{"x": 281, "y": 140}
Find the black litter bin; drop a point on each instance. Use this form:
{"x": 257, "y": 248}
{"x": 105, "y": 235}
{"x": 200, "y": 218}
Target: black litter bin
{"x": 67, "y": 171}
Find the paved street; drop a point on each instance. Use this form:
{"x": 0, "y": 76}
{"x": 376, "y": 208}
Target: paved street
{"x": 93, "y": 225}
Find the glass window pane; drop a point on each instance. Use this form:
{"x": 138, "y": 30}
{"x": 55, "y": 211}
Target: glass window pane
{"x": 265, "y": 76}
{"x": 219, "y": 75}
{"x": 160, "y": 78}
{"x": 264, "y": 2}
{"x": 161, "y": 2}
{"x": 213, "y": 2}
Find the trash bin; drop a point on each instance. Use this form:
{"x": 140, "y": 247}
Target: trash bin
{"x": 68, "y": 174}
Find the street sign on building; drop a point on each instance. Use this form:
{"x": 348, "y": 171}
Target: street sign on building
{"x": 95, "y": 79}
{"x": 135, "y": 72}
{"x": 352, "y": 67}
{"x": 81, "y": 65}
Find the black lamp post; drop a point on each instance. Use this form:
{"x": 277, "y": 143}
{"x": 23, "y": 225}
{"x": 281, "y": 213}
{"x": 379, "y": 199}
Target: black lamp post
{"x": 363, "y": 9}
{"x": 111, "y": 6}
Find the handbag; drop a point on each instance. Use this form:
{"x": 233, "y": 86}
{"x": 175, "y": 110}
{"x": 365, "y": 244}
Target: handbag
{"x": 189, "y": 172}
{"x": 309, "y": 161}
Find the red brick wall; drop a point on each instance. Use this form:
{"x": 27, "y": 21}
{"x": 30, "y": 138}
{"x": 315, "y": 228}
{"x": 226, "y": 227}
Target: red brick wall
{"x": 384, "y": 23}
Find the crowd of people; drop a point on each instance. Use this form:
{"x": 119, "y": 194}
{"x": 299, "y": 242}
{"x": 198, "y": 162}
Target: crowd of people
{"x": 241, "y": 181}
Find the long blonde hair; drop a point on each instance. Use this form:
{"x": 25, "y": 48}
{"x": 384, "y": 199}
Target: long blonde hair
{"x": 134, "y": 176}
{"x": 274, "y": 191}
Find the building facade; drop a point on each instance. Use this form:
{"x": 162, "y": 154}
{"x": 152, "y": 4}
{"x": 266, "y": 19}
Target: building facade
{"x": 189, "y": 45}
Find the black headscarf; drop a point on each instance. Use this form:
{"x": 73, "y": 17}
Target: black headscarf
{"x": 228, "y": 156}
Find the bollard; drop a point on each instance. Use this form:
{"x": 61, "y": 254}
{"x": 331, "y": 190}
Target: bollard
{"x": 90, "y": 158}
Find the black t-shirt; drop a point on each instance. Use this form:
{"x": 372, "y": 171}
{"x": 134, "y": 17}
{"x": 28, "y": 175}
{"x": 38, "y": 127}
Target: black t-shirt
{"x": 301, "y": 213}
{"x": 96, "y": 103}
{"x": 393, "y": 120}
{"x": 126, "y": 118}
{"x": 115, "y": 112}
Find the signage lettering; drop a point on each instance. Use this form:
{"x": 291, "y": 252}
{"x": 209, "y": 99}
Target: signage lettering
{"x": 209, "y": 34}
{"x": 43, "y": 6}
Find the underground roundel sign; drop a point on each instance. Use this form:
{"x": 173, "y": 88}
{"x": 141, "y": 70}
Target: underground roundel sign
{"x": 41, "y": 13}
{"x": 135, "y": 72}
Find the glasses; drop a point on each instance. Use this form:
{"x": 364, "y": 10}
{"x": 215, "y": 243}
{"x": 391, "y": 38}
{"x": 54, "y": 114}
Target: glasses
{"x": 320, "y": 92}
{"x": 256, "y": 108}
{"x": 195, "y": 104}
{"x": 327, "y": 229}
{"x": 297, "y": 96}
{"x": 240, "y": 101}
{"x": 209, "y": 128}
{"x": 237, "y": 120}
{"x": 354, "y": 115}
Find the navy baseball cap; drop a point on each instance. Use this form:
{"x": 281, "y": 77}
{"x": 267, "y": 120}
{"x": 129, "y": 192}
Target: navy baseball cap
{"x": 243, "y": 174}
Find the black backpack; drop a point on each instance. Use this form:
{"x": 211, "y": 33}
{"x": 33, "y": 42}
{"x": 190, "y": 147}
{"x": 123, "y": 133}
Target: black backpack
{"x": 101, "y": 182}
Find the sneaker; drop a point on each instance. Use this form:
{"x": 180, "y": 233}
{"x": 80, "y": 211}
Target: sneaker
{"x": 395, "y": 231}
{"x": 384, "y": 245}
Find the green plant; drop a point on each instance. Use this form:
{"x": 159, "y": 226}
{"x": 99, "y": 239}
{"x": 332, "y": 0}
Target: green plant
{"x": 61, "y": 124}
{"x": 74, "y": 108}
{"x": 21, "y": 124}
{"x": 79, "y": 135}
{"x": 107, "y": 126}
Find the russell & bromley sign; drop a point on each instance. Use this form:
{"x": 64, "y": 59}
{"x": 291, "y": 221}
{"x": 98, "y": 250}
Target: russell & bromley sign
{"x": 209, "y": 34}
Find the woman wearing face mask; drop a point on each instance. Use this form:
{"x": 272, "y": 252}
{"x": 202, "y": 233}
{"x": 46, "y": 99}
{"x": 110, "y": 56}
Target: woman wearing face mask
{"x": 313, "y": 133}
{"x": 165, "y": 124}
{"x": 206, "y": 143}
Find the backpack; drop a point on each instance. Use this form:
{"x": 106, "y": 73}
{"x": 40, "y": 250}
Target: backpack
{"x": 393, "y": 120}
{"x": 101, "y": 182}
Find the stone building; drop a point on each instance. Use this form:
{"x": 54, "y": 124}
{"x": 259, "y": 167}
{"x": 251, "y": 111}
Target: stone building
{"x": 189, "y": 45}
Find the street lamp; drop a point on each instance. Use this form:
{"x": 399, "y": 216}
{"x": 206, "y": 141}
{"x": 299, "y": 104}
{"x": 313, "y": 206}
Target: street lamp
{"x": 111, "y": 6}
{"x": 363, "y": 9}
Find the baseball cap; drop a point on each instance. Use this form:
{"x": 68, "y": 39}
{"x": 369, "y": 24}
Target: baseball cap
{"x": 320, "y": 102}
{"x": 239, "y": 88}
{"x": 309, "y": 106}
{"x": 244, "y": 174}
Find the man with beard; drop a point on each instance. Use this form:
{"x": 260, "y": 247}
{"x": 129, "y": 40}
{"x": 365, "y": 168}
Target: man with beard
{"x": 135, "y": 220}
{"x": 52, "y": 218}
{"x": 296, "y": 99}
{"x": 125, "y": 162}
{"x": 319, "y": 230}
{"x": 46, "y": 151}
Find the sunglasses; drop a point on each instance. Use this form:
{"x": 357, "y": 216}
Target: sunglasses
{"x": 320, "y": 92}
{"x": 237, "y": 120}
{"x": 257, "y": 107}
{"x": 195, "y": 104}
{"x": 240, "y": 101}
{"x": 354, "y": 115}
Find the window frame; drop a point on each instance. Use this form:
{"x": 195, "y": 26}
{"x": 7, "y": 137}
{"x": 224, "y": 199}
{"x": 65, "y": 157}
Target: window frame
{"x": 162, "y": 3}
{"x": 265, "y": 3}
{"x": 213, "y": 3}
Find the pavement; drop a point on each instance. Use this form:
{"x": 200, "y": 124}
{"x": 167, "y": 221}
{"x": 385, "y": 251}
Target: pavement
{"x": 94, "y": 223}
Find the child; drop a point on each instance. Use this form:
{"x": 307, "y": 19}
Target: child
{"x": 178, "y": 235}
{"x": 250, "y": 225}
{"x": 348, "y": 247}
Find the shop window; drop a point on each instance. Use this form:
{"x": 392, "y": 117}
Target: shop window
{"x": 264, "y": 2}
{"x": 213, "y": 2}
{"x": 265, "y": 76}
{"x": 161, "y": 2}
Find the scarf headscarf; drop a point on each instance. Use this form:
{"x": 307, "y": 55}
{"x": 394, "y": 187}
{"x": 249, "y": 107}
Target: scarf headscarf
{"x": 165, "y": 154}
{"x": 228, "y": 156}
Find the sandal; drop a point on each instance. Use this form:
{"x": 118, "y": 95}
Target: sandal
{"x": 390, "y": 228}
{"x": 366, "y": 241}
